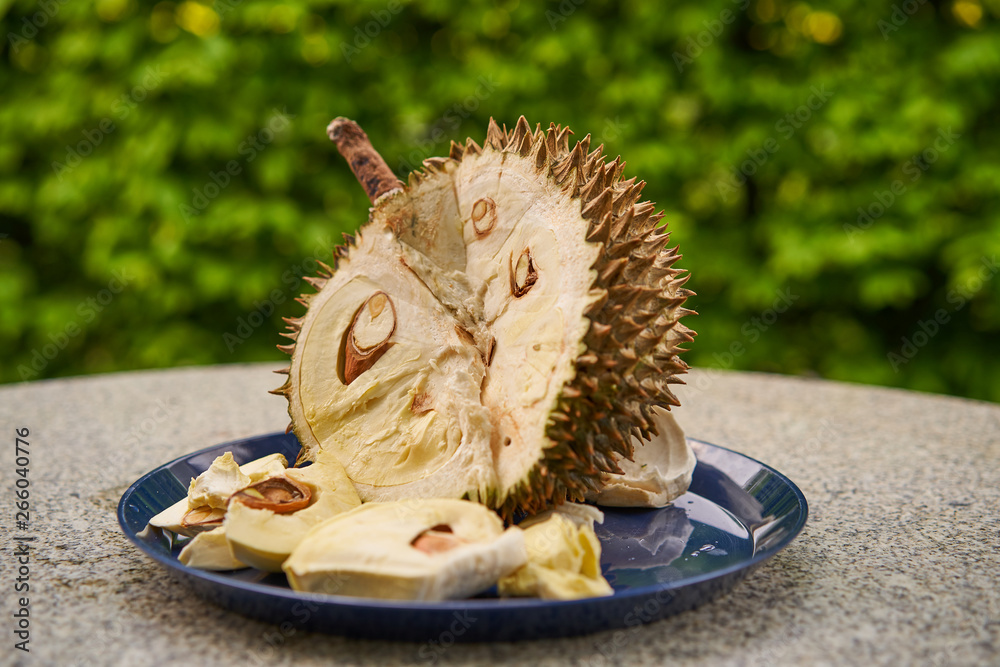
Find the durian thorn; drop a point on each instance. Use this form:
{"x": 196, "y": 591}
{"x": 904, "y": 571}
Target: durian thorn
{"x": 594, "y": 186}
{"x": 562, "y": 139}
{"x": 283, "y": 371}
{"x": 601, "y": 232}
{"x": 541, "y": 156}
{"x": 287, "y": 349}
{"x": 439, "y": 164}
{"x": 457, "y": 151}
{"x": 495, "y": 137}
{"x": 562, "y": 168}
{"x": 294, "y": 322}
{"x": 317, "y": 283}
{"x": 472, "y": 148}
{"x": 368, "y": 166}
{"x": 599, "y": 209}
{"x": 622, "y": 224}
{"x": 516, "y": 137}
{"x": 293, "y": 335}
{"x": 525, "y": 149}
{"x": 325, "y": 269}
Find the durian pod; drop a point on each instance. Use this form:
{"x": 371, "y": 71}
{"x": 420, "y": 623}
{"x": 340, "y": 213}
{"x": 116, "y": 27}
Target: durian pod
{"x": 499, "y": 330}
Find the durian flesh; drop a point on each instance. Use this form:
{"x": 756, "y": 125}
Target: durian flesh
{"x": 210, "y": 551}
{"x": 263, "y": 539}
{"x": 214, "y": 486}
{"x": 428, "y": 550}
{"x": 564, "y": 556}
{"x": 499, "y": 330}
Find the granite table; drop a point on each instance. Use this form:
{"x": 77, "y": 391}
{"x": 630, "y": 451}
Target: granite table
{"x": 898, "y": 565}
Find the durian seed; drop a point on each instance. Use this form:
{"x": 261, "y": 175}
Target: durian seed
{"x": 484, "y": 208}
{"x": 203, "y": 518}
{"x": 279, "y": 494}
{"x": 367, "y": 339}
{"x": 436, "y": 539}
{"x": 523, "y": 274}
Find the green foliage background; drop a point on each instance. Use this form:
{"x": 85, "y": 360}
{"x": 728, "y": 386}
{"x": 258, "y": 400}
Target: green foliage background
{"x": 187, "y": 86}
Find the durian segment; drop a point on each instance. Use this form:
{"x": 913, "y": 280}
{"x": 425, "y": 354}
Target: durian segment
{"x": 564, "y": 557}
{"x": 256, "y": 470}
{"x": 263, "y": 539}
{"x": 659, "y": 472}
{"x": 210, "y": 551}
{"x": 372, "y": 551}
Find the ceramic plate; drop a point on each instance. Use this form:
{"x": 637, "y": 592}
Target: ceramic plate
{"x": 737, "y": 514}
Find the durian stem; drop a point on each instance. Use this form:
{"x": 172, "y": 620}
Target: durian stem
{"x": 368, "y": 166}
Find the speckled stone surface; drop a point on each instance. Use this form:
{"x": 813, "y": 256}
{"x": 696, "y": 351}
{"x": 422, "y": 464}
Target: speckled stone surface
{"x": 899, "y": 564}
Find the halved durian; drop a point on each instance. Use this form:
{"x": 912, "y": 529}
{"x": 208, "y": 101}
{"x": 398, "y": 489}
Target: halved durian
{"x": 263, "y": 538}
{"x": 564, "y": 556}
{"x": 499, "y": 330}
{"x": 430, "y": 549}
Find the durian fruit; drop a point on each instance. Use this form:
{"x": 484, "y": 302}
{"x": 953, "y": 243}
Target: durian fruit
{"x": 421, "y": 549}
{"x": 203, "y": 508}
{"x": 659, "y": 472}
{"x": 267, "y": 520}
{"x": 564, "y": 556}
{"x": 210, "y": 551}
{"x": 500, "y": 330}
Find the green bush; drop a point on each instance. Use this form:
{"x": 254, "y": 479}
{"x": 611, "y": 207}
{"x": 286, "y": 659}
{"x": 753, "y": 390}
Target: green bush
{"x": 165, "y": 178}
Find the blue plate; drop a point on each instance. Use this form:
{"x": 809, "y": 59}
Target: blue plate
{"x": 737, "y": 513}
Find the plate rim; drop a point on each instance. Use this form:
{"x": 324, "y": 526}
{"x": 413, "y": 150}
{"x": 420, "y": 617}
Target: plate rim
{"x": 479, "y": 604}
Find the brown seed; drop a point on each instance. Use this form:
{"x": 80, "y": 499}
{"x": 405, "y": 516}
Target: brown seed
{"x": 522, "y": 274}
{"x": 367, "y": 339}
{"x": 203, "y": 518}
{"x": 484, "y": 216}
{"x": 436, "y": 539}
{"x": 281, "y": 495}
